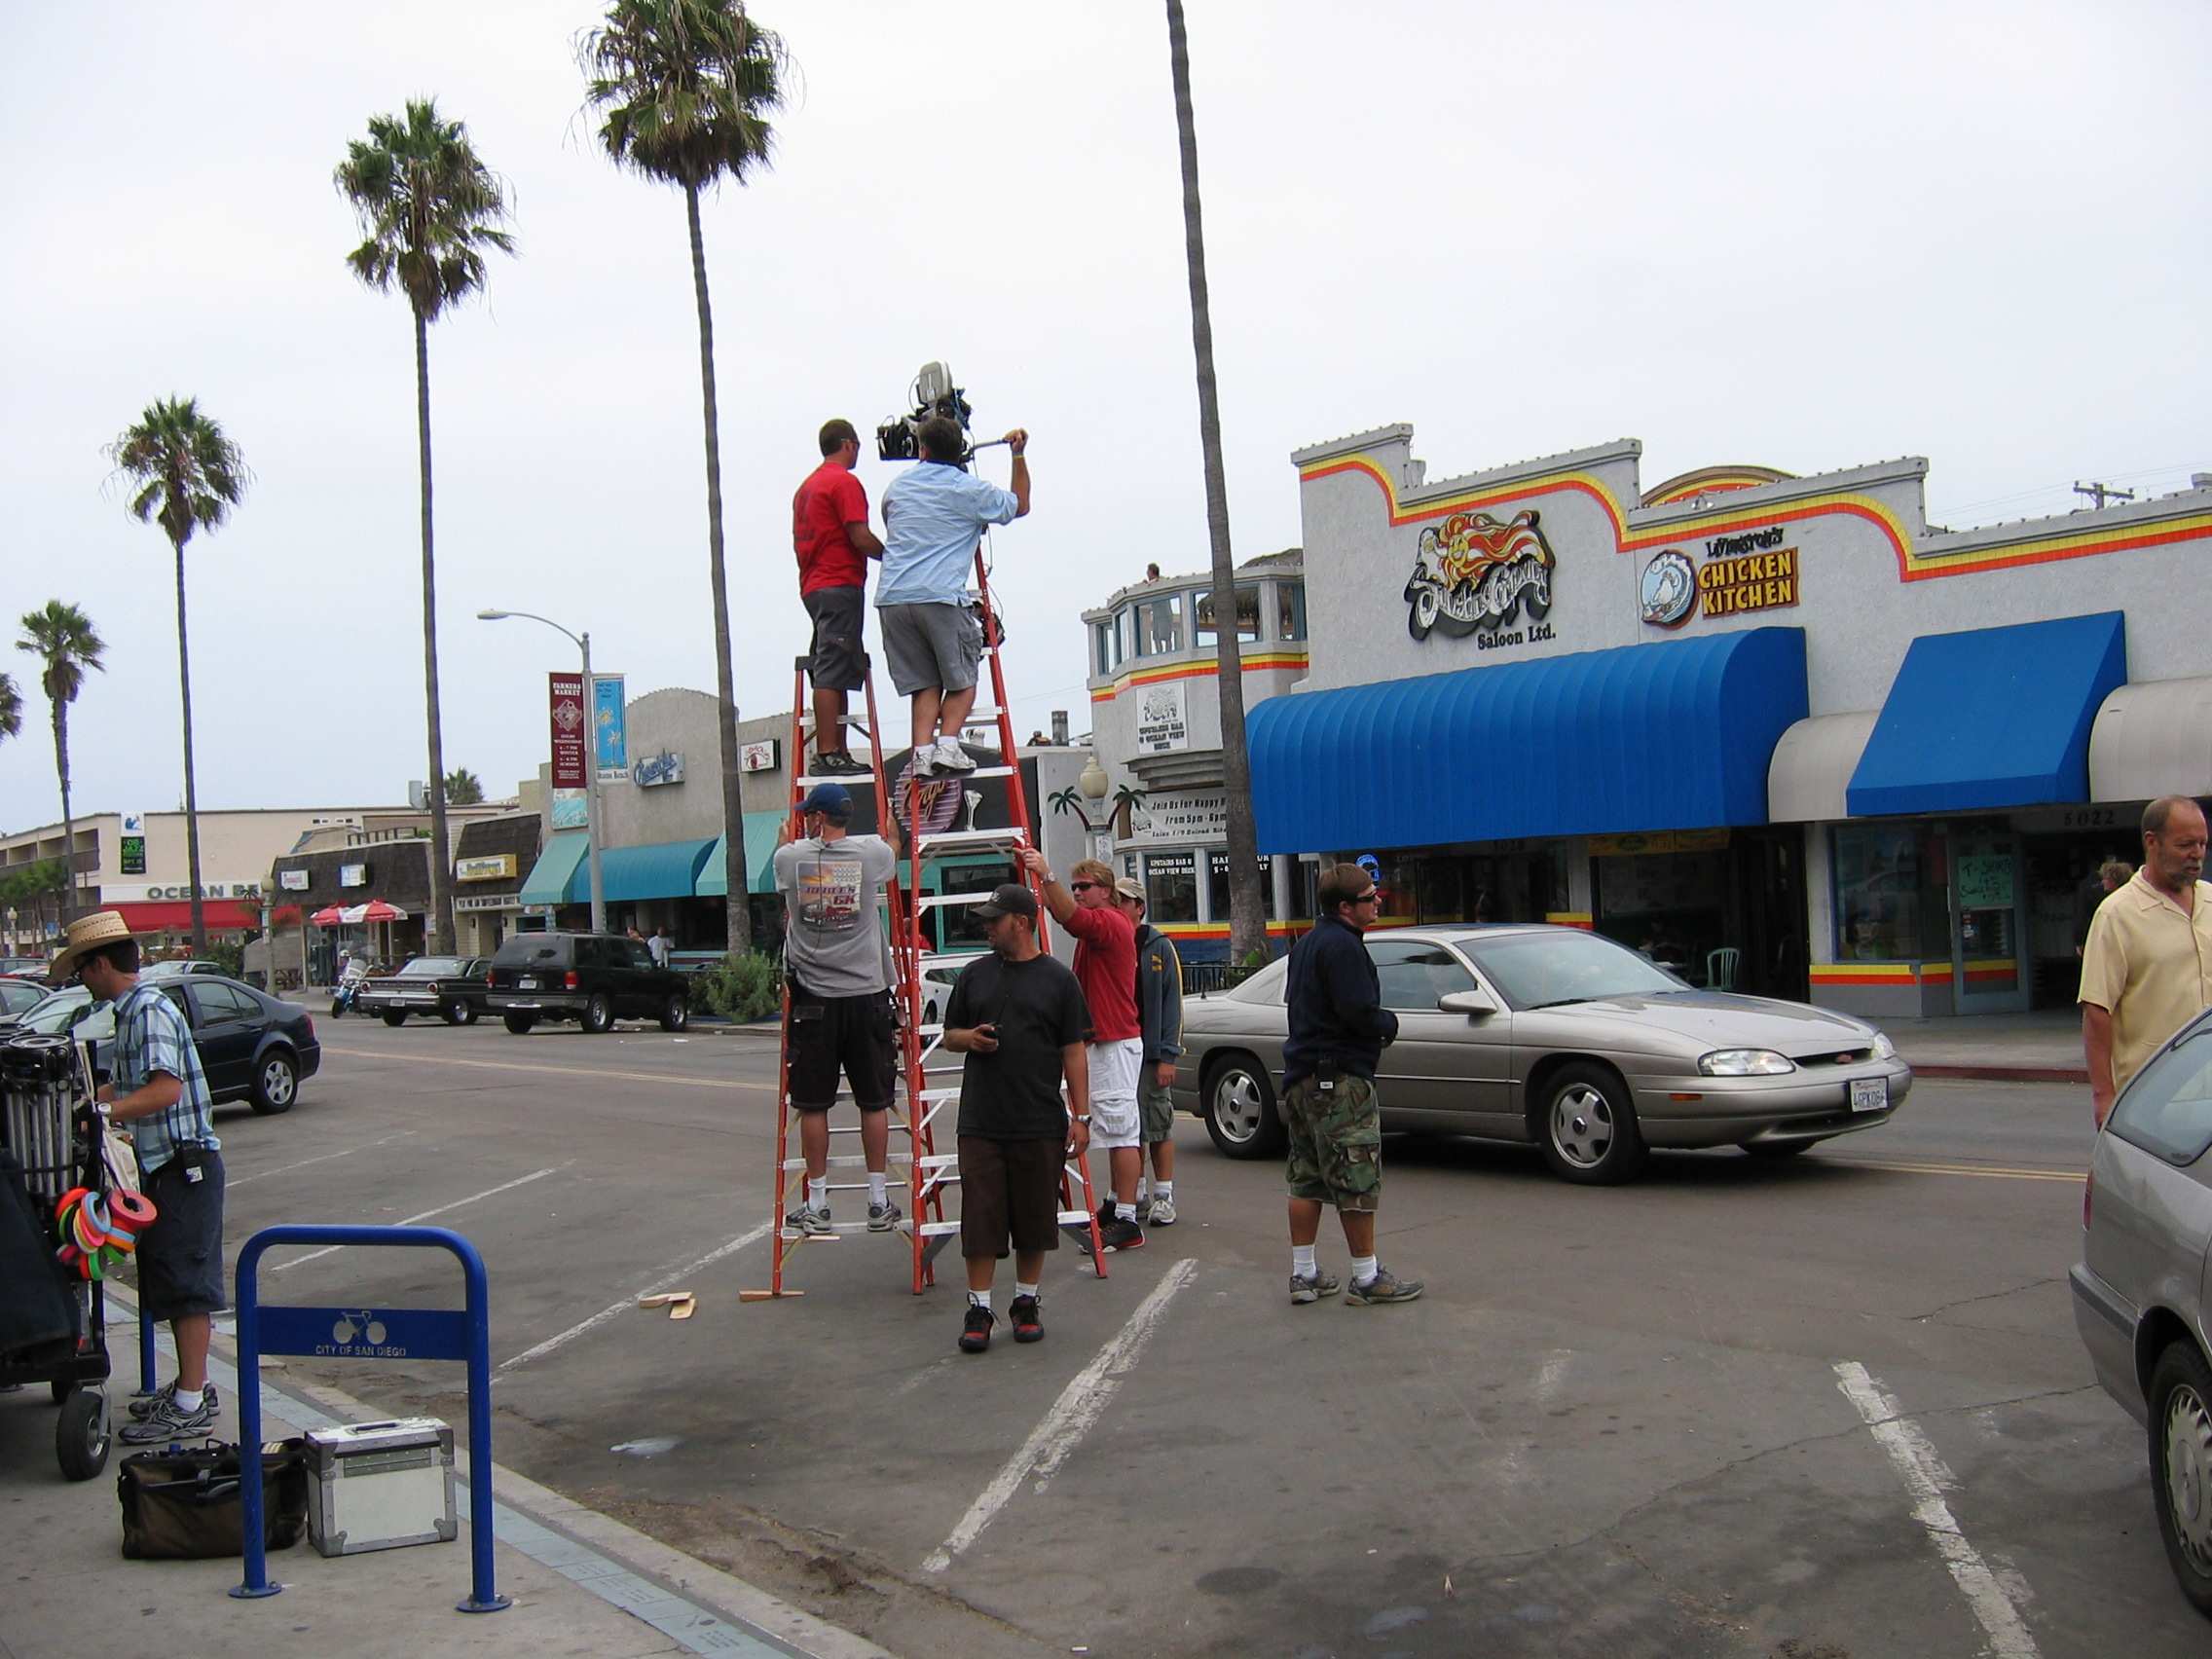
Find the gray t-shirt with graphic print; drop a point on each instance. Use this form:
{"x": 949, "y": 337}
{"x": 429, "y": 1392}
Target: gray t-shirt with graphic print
{"x": 833, "y": 943}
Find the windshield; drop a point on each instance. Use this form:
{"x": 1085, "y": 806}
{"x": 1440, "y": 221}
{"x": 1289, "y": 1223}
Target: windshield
{"x": 52, "y": 1016}
{"x": 1544, "y": 970}
{"x": 435, "y": 965}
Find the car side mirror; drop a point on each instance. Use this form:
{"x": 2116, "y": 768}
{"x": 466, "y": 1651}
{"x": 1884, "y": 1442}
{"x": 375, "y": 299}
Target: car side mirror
{"x": 1473, "y": 1004}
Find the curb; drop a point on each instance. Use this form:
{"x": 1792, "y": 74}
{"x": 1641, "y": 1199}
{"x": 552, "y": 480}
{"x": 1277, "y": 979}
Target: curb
{"x": 706, "y": 1590}
{"x": 2003, "y": 1074}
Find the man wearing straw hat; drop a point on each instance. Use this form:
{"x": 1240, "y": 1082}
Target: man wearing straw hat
{"x": 160, "y": 1091}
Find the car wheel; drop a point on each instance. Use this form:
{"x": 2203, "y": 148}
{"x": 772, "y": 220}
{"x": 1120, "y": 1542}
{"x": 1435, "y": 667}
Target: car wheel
{"x": 460, "y": 1013}
{"x": 1775, "y": 1151}
{"x": 2180, "y": 1466}
{"x": 676, "y": 1016}
{"x": 275, "y": 1082}
{"x": 598, "y": 1012}
{"x": 1589, "y": 1131}
{"x": 398, "y": 1017}
{"x": 81, "y": 1434}
{"x": 520, "y": 1023}
{"x": 1240, "y": 1109}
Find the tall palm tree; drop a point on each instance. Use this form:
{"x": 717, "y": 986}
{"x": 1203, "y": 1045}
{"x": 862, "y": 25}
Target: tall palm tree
{"x": 685, "y": 87}
{"x": 63, "y": 638}
{"x": 429, "y": 207}
{"x": 1247, "y": 920}
{"x": 463, "y": 787}
{"x": 187, "y": 475}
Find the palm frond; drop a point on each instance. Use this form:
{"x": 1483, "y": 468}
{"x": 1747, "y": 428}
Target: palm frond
{"x": 183, "y": 470}
{"x": 11, "y": 707}
{"x": 685, "y": 89}
{"x": 426, "y": 203}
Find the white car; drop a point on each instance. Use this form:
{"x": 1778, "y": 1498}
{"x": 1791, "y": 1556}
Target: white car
{"x": 939, "y": 970}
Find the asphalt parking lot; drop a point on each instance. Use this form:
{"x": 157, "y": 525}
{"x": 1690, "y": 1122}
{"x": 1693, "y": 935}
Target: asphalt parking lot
{"x": 1829, "y": 1408}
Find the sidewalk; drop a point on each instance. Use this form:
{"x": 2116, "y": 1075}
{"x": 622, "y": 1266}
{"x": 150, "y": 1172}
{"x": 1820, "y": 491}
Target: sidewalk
{"x": 2003, "y": 1048}
{"x": 581, "y": 1583}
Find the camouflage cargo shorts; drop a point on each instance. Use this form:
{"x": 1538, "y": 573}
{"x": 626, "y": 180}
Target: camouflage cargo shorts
{"x": 1336, "y": 1142}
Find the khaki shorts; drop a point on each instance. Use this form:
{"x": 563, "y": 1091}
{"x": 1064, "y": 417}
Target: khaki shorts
{"x": 1336, "y": 1142}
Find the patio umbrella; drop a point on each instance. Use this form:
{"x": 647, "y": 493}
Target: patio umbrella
{"x": 329, "y": 917}
{"x": 376, "y": 910}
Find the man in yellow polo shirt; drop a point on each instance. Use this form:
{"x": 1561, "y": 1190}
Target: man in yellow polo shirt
{"x": 2147, "y": 968}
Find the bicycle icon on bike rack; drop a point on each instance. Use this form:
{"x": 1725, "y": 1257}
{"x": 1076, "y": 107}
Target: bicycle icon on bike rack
{"x": 361, "y": 1326}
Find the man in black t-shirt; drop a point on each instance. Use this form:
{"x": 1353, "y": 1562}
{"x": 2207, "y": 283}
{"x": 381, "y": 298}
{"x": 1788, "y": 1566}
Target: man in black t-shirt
{"x": 1020, "y": 1018}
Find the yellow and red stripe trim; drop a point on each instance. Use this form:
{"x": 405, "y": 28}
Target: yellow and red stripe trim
{"x": 1256, "y": 663}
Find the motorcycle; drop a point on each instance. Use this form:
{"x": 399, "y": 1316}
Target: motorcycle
{"x": 348, "y": 990}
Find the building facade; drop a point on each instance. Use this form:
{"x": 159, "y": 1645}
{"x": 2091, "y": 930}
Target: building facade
{"x": 1780, "y": 734}
{"x": 1155, "y": 726}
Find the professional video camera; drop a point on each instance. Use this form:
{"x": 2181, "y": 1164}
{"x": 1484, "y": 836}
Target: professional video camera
{"x": 934, "y": 393}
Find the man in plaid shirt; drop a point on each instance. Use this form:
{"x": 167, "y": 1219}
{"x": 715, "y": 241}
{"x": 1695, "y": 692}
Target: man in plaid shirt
{"x": 159, "y": 1090}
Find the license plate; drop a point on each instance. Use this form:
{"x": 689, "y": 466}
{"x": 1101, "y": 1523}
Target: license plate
{"x": 526, "y": 984}
{"x": 1869, "y": 1094}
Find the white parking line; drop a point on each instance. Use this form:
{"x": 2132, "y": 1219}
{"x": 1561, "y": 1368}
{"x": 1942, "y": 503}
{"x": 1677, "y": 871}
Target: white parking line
{"x": 1927, "y": 1479}
{"x": 230, "y": 1180}
{"x": 1071, "y": 1418}
{"x": 662, "y": 1280}
{"x": 410, "y": 1221}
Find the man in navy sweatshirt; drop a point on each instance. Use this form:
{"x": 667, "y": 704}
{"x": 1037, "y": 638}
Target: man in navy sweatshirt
{"x": 1338, "y": 1030}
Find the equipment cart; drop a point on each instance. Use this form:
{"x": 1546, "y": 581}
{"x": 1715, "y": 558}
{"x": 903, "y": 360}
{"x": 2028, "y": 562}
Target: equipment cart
{"x": 55, "y": 1135}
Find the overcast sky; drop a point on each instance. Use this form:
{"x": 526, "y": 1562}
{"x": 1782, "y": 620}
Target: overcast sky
{"x": 1806, "y": 236}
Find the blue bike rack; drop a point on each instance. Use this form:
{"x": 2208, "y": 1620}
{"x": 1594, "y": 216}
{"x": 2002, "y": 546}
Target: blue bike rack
{"x": 409, "y": 1333}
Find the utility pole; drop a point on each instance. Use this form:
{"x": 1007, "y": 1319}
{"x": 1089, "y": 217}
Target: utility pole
{"x": 2101, "y": 492}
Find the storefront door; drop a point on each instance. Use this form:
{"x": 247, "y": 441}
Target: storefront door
{"x": 1988, "y": 923}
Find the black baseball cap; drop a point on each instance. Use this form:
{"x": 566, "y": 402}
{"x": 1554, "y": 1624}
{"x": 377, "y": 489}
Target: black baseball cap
{"x": 1011, "y": 900}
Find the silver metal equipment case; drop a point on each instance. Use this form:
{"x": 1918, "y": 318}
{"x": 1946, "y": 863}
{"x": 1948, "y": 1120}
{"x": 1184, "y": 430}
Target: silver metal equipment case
{"x": 381, "y": 1485}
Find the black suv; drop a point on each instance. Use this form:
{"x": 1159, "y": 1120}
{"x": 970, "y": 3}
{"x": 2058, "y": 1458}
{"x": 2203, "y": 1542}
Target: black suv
{"x": 592, "y": 978}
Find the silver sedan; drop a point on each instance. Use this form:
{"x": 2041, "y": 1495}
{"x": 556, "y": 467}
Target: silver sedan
{"x": 2139, "y": 1289}
{"x": 1562, "y": 1037}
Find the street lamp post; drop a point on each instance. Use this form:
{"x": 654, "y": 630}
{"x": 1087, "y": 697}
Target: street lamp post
{"x": 582, "y": 643}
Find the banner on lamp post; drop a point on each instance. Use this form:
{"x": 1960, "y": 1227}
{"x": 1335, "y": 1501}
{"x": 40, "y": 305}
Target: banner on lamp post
{"x": 571, "y": 729}
{"x": 609, "y": 739}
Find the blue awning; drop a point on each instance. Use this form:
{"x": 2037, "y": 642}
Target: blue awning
{"x": 549, "y": 878}
{"x": 761, "y": 829}
{"x": 1674, "y": 735}
{"x": 1993, "y": 716}
{"x": 662, "y": 869}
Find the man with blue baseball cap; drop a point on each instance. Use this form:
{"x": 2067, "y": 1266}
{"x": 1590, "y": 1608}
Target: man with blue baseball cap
{"x": 837, "y": 969}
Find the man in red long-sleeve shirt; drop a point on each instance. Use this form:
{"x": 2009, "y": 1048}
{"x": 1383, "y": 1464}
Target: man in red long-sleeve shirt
{"x": 1106, "y": 967}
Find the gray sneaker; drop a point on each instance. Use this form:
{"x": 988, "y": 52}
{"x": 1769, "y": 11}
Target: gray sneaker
{"x": 169, "y": 1421}
{"x": 883, "y": 1217}
{"x": 1163, "y": 1213}
{"x": 166, "y": 1395}
{"x": 1303, "y": 1290}
{"x": 1385, "y": 1287}
{"x": 812, "y": 1222}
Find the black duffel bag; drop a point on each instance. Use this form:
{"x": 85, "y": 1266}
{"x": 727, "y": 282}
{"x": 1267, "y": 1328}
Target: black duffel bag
{"x": 188, "y": 1502}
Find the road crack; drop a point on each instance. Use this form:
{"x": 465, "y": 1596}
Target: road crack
{"x": 1986, "y": 1296}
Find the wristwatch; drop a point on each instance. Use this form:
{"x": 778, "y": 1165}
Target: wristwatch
{"x": 1082, "y": 1116}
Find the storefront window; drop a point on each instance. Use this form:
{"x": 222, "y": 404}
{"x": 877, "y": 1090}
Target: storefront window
{"x": 1217, "y": 887}
{"x": 1877, "y": 893}
{"x": 1171, "y": 887}
{"x": 1247, "y": 616}
{"x": 1305, "y": 873}
{"x": 1290, "y": 611}
{"x": 1669, "y": 906}
{"x": 959, "y": 928}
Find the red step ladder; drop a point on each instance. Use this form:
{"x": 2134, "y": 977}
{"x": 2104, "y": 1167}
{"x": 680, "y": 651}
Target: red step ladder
{"x": 929, "y": 1075}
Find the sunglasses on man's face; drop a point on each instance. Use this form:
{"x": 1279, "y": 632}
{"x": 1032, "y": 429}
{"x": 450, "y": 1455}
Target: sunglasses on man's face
{"x": 1370, "y": 897}
{"x": 1083, "y": 886}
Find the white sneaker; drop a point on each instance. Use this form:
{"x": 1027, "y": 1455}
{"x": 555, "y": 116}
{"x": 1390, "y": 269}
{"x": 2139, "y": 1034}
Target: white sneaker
{"x": 950, "y": 756}
{"x": 925, "y": 760}
{"x": 1164, "y": 1212}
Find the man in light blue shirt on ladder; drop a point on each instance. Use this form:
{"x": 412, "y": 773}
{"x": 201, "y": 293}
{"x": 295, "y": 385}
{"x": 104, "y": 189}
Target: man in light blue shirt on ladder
{"x": 933, "y": 516}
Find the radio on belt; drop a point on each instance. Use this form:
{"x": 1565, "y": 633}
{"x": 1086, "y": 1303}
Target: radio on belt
{"x": 381, "y": 1485}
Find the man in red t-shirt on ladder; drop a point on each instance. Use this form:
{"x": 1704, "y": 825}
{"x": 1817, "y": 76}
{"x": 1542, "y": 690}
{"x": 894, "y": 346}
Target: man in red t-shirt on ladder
{"x": 1106, "y": 967}
{"x": 830, "y": 535}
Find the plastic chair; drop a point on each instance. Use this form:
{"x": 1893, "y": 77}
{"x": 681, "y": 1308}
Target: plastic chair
{"x": 1721, "y": 967}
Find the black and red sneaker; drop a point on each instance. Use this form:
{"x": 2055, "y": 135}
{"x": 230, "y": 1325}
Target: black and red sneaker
{"x": 1027, "y": 1319}
{"x": 975, "y": 1334}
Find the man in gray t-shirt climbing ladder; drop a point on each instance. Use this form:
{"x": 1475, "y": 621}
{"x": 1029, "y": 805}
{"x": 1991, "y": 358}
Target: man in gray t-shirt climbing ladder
{"x": 837, "y": 968}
